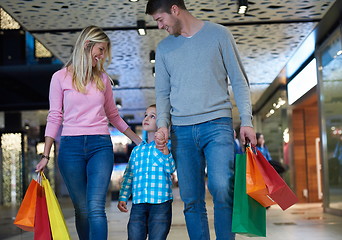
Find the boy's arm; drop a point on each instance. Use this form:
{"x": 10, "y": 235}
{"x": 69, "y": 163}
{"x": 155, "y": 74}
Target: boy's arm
{"x": 127, "y": 182}
{"x": 165, "y": 160}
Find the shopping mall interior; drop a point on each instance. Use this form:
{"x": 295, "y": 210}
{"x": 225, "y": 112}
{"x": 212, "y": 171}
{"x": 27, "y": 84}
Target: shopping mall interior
{"x": 292, "y": 54}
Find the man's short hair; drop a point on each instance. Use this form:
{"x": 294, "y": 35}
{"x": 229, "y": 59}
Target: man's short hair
{"x": 154, "y": 6}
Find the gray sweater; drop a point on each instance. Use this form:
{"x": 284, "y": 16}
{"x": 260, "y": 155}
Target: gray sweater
{"x": 191, "y": 78}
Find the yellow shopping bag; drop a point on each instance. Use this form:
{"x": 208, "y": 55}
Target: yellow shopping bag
{"x": 57, "y": 222}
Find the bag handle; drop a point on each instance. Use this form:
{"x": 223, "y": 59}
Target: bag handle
{"x": 40, "y": 176}
{"x": 251, "y": 148}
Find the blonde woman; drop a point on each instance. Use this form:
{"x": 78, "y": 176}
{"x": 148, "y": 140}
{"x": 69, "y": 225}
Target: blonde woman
{"x": 81, "y": 100}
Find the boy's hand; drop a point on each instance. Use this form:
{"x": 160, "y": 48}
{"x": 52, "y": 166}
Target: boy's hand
{"x": 122, "y": 206}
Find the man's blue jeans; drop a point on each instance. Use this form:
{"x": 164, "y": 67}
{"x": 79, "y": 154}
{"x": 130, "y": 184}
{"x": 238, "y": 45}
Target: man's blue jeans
{"x": 151, "y": 219}
{"x": 194, "y": 147}
{"x": 86, "y": 164}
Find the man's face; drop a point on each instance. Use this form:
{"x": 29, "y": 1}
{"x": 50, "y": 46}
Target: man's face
{"x": 168, "y": 22}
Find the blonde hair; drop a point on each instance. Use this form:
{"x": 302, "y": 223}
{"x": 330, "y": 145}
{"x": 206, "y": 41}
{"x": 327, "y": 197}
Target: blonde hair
{"x": 81, "y": 60}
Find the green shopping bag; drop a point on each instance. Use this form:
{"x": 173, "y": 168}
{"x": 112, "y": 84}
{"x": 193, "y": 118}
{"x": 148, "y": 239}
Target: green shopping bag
{"x": 249, "y": 216}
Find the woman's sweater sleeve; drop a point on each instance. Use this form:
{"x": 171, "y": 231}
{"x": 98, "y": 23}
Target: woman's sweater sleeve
{"x": 55, "y": 116}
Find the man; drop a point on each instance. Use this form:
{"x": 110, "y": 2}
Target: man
{"x": 192, "y": 65}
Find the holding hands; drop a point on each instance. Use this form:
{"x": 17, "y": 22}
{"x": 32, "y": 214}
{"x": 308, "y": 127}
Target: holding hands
{"x": 161, "y": 138}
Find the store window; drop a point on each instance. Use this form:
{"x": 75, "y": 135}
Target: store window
{"x": 330, "y": 79}
{"x": 273, "y": 125}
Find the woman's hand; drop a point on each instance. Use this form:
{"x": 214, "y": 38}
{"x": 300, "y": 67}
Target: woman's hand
{"x": 41, "y": 165}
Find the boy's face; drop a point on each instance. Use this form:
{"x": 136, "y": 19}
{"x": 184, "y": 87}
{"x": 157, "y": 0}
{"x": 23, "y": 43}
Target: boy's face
{"x": 149, "y": 123}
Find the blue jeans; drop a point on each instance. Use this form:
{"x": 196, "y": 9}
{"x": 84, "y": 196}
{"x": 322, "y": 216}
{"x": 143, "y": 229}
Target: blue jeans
{"x": 86, "y": 164}
{"x": 151, "y": 219}
{"x": 193, "y": 147}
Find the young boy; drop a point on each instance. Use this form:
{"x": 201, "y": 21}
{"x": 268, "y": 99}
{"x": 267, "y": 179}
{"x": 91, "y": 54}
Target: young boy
{"x": 148, "y": 179}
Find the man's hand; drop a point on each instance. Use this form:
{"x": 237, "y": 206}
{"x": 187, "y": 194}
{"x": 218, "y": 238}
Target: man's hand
{"x": 122, "y": 206}
{"x": 161, "y": 137}
{"x": 247, "y": 134}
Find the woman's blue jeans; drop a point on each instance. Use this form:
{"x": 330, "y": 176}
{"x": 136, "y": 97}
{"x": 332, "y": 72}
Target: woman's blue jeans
{"x": 151, "y": 219}
{"x": 194, "y": 147}
{"x": 86, "y": 164}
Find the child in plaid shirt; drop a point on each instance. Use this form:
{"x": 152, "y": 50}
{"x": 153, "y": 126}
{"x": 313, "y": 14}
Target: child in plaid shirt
{"x": 148, "y": 179}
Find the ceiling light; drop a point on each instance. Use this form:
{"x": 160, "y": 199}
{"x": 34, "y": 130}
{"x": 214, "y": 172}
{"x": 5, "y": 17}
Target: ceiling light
{"x": 116, "y": 83}
{"x": 152, "y": 56}
{"x": 134, "y": 0}
{"x": 40, "y": 50}
{"x": 7, "y": 22}
{"x": 118, "y": 102}
{"x": 243, "y": 5}
{"x": 141, "y": 26}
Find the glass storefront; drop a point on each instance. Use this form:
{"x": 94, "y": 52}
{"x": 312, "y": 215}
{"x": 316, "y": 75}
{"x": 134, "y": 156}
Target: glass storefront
{"x": 273, "y": 124}
{"x": 330, "y": 88}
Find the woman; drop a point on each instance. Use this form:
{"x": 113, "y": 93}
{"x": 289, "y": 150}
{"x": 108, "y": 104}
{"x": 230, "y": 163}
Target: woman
{"x": 261, "y": 146}
{"x": 278, "y": 166}
{"x": 81, "y": 96}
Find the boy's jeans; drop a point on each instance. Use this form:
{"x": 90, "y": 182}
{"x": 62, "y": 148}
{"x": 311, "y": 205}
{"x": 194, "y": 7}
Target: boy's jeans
{"x": 86, "y": 164}
{"x": 194, "y": 147}
{"x": 151, "y": 219}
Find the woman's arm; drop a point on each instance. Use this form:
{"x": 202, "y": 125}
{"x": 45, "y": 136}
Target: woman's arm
{"x": 131, "y": 135}
{"x": 47, "y": 148}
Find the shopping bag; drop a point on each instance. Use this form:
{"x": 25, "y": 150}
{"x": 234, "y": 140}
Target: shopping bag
{"x": 26, "y": 213}
{"x": 42, "y": 230}
{"x": 256, "y": 187}
{"x": 278, "y": 190}
{"x": 249, "y": 216}
{"x": 58, "y": 226}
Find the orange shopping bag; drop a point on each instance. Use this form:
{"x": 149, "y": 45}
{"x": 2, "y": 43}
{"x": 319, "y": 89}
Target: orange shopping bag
{"x": 26, "y": 214}
{"x": 256, "y": 187}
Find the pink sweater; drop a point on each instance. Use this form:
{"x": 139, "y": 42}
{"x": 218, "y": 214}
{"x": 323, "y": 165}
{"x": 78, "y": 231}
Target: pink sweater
{"x": 81, "y": 114}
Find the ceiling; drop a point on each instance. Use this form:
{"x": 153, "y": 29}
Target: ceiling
{"x": 267, "y": 36}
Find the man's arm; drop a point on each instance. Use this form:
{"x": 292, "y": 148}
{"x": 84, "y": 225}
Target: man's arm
{"x": 163, "y": 89}
{"x": 240, "y": 85}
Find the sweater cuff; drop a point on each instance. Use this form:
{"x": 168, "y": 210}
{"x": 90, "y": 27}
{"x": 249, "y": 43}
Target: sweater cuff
{"x": 246, "y": 121}
{"x": 51, "y": 130}
{"x": 122, "y": 126}
{"x": 162, "y": 123}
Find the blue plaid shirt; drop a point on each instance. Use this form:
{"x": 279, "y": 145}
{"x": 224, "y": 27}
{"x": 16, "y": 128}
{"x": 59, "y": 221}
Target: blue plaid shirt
{"x": 148, "y": 175}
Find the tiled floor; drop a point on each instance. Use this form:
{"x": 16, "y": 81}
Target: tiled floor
{"x": 300, "y": 222}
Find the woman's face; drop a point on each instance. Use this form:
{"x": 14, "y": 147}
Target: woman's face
{"x": 98, "y": 52}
